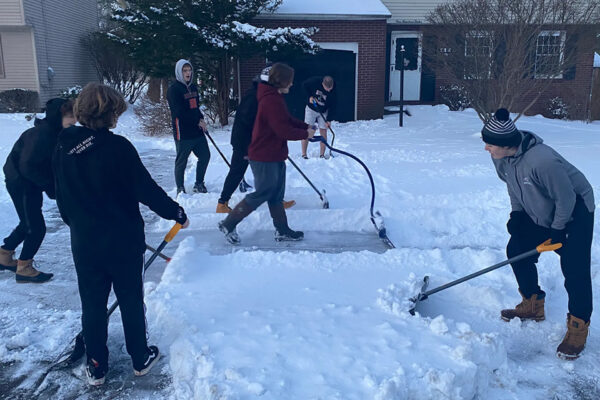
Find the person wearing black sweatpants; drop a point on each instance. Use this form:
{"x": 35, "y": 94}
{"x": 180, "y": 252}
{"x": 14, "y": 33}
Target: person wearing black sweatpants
{"x": 575, "y": 258}
{"x": 28, "y": 173}
{"x": 551, "y": 200}
{"x": 100, "y": 183}
{"x": 241, "y": 136}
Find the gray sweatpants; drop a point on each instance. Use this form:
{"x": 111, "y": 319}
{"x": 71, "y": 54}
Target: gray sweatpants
{"x": 269, "y": 183}
{"x": 184, "y": 147}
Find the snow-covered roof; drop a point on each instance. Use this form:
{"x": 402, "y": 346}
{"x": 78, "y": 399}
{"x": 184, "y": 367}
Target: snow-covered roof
{"x": 328, "y": 8}
{"x": 596, "y": 60}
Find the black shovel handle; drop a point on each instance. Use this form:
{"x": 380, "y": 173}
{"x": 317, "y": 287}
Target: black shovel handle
{"x": 222, "y": 155}
{"x": 546, "y": 246}
{"x": 168, "y": 237}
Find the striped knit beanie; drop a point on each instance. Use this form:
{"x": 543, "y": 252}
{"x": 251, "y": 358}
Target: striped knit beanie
{"x": 501, "y": 131}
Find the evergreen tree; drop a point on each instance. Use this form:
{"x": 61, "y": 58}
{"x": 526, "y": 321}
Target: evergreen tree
{"x": 212, "y": 33}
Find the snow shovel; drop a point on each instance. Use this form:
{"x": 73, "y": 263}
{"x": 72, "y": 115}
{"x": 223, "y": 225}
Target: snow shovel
{"x": 376, "y": 218}
{"x": 330, "y": 130}
{"x": 324, "y": 201}
{"x": 69, "y": 357}
{"x": 424, "y": 294}
{"x": 244, "y": 186}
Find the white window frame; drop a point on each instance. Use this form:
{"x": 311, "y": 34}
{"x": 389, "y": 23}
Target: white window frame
{"x": 563, "y": 38}
{"x": 479, "y": 34}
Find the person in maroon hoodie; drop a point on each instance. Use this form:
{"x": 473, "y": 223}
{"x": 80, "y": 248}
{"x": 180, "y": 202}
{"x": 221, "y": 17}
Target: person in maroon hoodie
{"x": 267, "y": 153}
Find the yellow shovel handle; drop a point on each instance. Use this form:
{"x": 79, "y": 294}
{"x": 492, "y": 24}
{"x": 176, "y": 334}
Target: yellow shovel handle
{"x": 172, "y": 232}
{"x": 548, "y": 246}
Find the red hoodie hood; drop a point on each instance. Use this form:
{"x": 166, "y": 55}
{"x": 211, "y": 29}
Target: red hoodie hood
{"x": 264, "y": 90}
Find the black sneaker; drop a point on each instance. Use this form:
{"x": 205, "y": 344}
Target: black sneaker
{"x": 95, "y": 373}
{"x": 288, "y": 235}
{"x": 305, "y": 156}
{"x": 152, "y": 357}
{"x": 180, "y": 190}
{"x": 200, "y": 188}
{"x": 232, "y": 237}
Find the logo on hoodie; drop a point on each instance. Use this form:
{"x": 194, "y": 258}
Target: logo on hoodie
{"x": 80, "y": 147}
{"x": 526, "y": 181}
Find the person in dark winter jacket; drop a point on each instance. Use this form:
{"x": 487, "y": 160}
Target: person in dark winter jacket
{"x": 100, "y": 183}
{"x": 550, "y": 198}
{"x": 28, "y": 173}
{"x": 320, "y": 102}
{"x": 267, "y": 153}
{"x": 188, "y": 126}
{"x": 241, "y": 135}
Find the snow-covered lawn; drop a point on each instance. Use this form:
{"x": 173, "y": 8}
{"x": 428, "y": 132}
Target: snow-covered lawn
{"x": 302, "y": 324}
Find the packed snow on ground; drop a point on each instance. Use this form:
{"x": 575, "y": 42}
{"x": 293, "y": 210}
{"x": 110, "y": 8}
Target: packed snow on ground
{"x": 252, "y": 323}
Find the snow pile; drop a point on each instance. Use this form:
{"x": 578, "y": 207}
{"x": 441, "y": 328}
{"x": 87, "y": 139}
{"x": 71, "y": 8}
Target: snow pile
{"x": 349, "y": 7}
{"x": 298, "y": 324}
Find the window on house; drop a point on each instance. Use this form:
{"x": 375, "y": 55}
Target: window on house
{"x": 1, "y": 60}
{"x": 478, "y": 55}
{"x": 549, "y": 55}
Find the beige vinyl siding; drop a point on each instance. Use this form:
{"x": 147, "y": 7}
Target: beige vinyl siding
{"x": 411, "y": 12}
{"x": 11, "y": 12}
{"x": 59, "y": 26}
{"x": 19, "y": 60}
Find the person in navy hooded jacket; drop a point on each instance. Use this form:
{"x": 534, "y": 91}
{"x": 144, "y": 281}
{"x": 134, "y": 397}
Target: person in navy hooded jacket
{"x": 188, "y": 126}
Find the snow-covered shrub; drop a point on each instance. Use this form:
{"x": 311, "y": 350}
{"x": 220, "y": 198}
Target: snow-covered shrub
{"x": 154, "y": 117}
{"x": 19, "y": 101}
{"x": 455, "y": 97}
{"x": 70, "y": 92}
{"x": 558, "y": 108}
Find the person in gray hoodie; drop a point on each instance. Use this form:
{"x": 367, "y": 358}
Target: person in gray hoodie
{"x": 188, "y": 126}
{"x": 550, "y": 198}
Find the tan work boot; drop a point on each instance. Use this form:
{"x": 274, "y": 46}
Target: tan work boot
{"x": 529, "y": 309}
{"x": 7, "y": 260}
{"x": 26, "y": 273}
{"x": 223, "y": 208}
{"x": 289, "y": 204}
{"x": 574, "y": 341}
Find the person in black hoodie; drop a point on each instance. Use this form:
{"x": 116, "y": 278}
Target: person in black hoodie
{"x": 188, "y": 126}
{"x": 321, "y": 100}
{"x": 100, "y": 182}
{"x": 241, "y": 136}
{"x": 28, "y": 173}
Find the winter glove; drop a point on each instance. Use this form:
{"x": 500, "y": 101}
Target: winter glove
{"x": 558, "y": 236}
{"x": 516, "y": 220}
{"x": 180, "y": 217}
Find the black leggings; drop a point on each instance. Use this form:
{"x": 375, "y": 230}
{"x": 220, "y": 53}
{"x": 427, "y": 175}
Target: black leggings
{"x": 32, "y": 228}
{"x": 239, "y": 165}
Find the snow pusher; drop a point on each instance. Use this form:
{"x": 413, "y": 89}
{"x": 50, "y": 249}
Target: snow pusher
{"x": 376, "y": 218}
{"x": 244, "y": 186}
{"x": 329, "y": 127}
{"x": 69, "y": 357}
{"x": 424, "y": 293}
{"x": 322, "y": 195}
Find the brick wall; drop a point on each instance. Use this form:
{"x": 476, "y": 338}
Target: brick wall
{"x": 371, "y": 38}
{"x": 575, "y": 92}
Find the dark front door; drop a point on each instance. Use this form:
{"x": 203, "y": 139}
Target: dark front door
{"x": 340, "y": 65}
